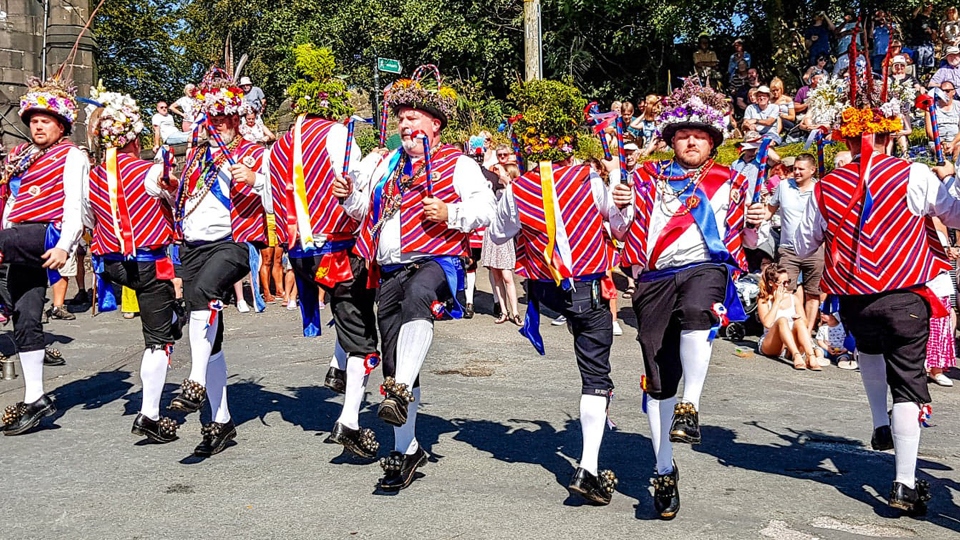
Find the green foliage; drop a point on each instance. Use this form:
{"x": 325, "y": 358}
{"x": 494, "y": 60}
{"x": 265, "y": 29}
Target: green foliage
{"x": 551, "y": 115}
{"x": 317, "y": 91}
{"x": 729, "y": 152}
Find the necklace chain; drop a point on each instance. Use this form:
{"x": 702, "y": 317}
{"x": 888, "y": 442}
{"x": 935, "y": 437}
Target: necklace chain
{"x": 668, "y": 194}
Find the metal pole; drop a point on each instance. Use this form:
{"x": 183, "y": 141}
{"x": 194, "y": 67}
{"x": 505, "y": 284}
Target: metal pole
{"x": 376, "y": 93}
{"x": 43, "y": 52}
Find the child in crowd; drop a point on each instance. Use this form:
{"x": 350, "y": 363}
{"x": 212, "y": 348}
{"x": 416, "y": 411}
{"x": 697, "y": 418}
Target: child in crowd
{"x": 833, "y": 339}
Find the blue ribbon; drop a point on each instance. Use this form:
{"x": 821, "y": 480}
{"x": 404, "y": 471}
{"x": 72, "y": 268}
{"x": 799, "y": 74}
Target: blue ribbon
{"x": 49, "y": 242}
{"x": 309, "y": 307}
{"x": 706, "y": 221}
{"x": 378, "y": 189}
{"x": 106, "y": 299}
{"x": 258, "y": 303}
{"x": 453, "y": 270}
{"x": 531, "y": 325}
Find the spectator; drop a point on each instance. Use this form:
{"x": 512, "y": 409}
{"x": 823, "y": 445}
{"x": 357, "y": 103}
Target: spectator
{"x": 763, "y": 117}
{"x": 922, "y": 33}
{"x": 648, "y": 124}
{"x": 882, "y": 27}
{"x": 899, "y": 74}
{"x": 950, "y": 72}
{"x": 505, "y": 156}
{"x": 253, "y": 129}
{"x": 705, "y": 61}
{"x": 183, "y": 107}
{"x": 253, "y": 95}
{"x": 748, "y": 166}
{"x": 832, "y": 338}
{"x": 845, "y": 33}
{"x": 820, "y": 66}
{"x": 740, "y": 76}
{"x": 735, "y": 58}
{"x": 788, "y": 113}
{"x": 742, "y": 96}
{"x": 948, "y": 118}
{"x": 784, "y": 327}
{"x": 500, "y": 260}
{"x": 616, "y": 106}
{"x": 950, "y": 28}
{"x": 817, "y": 36}
{"x": 631, "y": 132}
{"x": 164, "y": 129}
{"x": 800, "y": 100}
{"x": 897, "y": 49}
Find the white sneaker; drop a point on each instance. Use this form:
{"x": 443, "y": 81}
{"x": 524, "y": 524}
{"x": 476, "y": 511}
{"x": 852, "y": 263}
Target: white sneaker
{"x": 823, "y": 361}
{"x": 617, "y": 330}
{"x": 291, "y": 305}
{"x": 559, "y": 321}
{"x": 942, "y": 380}
{"x": 242, "y": 306}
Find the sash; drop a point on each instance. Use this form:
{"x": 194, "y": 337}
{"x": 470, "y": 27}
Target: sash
{"x": 106, "y": 299}
{"x": 557, "y": 253}
{"x": 258, "y": 304}
{"x": 378, "y": 193}
{"x": 50, "y": 240}
{"x": 298, "y": 213}
{"x": 122, "y": 225}
{"x": 334, "y": 267}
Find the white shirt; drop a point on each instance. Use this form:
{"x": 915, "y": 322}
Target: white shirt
{"x": 164, "y": 124}
{"x": 210, "y": 221}
{"x": 926, "y": 196}
{"x": 753, "y": 112}
{"x": 506, "y": 222}
{"x": 792, "y": 202}
{"x": 475, "y": 209}
{"x": 76, "y": 195}
{"x": 186, "y": 105}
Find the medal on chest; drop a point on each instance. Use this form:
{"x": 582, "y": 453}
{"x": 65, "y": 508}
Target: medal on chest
{"x": 34, "y": 191}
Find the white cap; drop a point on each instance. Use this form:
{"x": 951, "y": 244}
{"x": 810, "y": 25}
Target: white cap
{"x": 763, "y": 90}
{"x": 245, "y": 81}
{"x": 953, "y": 49}
{"x": 631, "y": 147}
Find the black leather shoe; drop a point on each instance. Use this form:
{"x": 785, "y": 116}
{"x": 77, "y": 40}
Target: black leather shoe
{"x": 468, "y": 311}
{"x": 666, "y": 495}
{"x": 393, "y": 408}
{"x": 399, "y": 469}
{"x": 215, "y": 438}
{"x": 912, "y": 501}
{"x": 336, "y": 380}
{"x": 21, "y": 418}
{"x": 179, "y": 309}
{"x": 163, "y": 430}
{"x": 361, "y": 442}
{"x": 686, "y": 424}
{"x": 191, "y": 397}
{"x": 53, "y": 357}
{"x": 597, "y": 489}
{"x": 882, "y": 439}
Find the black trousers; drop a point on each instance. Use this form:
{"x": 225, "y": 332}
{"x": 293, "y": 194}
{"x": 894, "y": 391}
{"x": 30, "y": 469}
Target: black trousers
{"x": 407, "y": 294}
{"x": 22, "y": 247}
{"x": 668, "y": 306}
{"x": 895, "y": 324}
{"x": 209, "y": 272}
{"x": 351, "y": 302}
{"x": 589, "y": 318}
{"x": 156, "y": 298}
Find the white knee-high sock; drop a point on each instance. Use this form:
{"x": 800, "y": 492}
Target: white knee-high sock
{"x": 31, "y": 364}
{"x": 217, "y": 388}
{"x": 660, "y": 416}
{"x": 695, "y": 351}
{"x": 906, "y": 441}
{"x": 873, "y": 371}
{"x": 153, "y": 373}
{"x": 202, "y": 336}
{"x": 339, "y": 359}
{"x": 412, "y": 346}
{"x": 353, "y": 397}
{"x": 593, "y": 416}
{"x": 405, "y": 436}
{"x": 471, "y": 285}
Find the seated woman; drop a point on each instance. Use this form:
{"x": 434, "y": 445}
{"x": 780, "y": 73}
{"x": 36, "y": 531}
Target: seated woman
{"x": 788, "y": 115}
{"x": 784, "y": 326}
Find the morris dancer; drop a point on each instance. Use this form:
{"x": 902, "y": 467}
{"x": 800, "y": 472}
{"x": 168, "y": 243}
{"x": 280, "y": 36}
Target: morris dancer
{"x": 218, "y": 209}
{"x": 43, "y": 188}
{"x": 417, "y": 210}
{"x": 557, "y": 212}
{"x": 320, "y": 237}
{"x": 132, "y": 228}
{"x": 685, "y": 247}
{"x": 874, "y": 218}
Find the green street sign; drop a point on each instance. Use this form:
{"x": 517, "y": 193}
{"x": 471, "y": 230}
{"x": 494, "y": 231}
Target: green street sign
{"x": 389, "y": 65}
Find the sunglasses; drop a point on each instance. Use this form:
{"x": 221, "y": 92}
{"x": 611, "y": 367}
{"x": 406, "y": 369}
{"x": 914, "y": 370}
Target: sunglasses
{"x": 787, "y": 282}
{"x": 503, "y": 155}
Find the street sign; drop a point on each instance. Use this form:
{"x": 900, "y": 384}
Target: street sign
{"x": 388, "y": 65}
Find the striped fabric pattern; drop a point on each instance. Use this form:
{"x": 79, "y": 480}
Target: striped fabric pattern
{"x": 898, "y": 250}
{"x": 152, "y": 219}
{"x": 590, "y": 246}
{"x": 40, "y": 199}
{"x": 247, "y": 214}
{"x": 326, "y": 215}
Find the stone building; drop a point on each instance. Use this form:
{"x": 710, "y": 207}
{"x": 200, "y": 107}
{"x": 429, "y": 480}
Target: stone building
{"x": 25, "y": 26}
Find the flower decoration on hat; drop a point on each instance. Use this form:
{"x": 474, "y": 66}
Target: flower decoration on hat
{"x": 432, "y": 97}
{"x": 55, "y": 96}
{"x": 693, "y": 106}
{"x": 218, "y": 94}
{"x": 551, "y": 113}
{"x": 117, "y": 122}
{"x": 318, "y": 91}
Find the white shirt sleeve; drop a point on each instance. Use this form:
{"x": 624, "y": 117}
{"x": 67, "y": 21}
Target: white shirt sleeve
{"x": 928, "y": 196}
{"x": 358, "y": 203}
{"x": 151, "y": 183}
{"x": 477, "y": 204}
{"x": 809, "y": 234}
{"x": 506, "y": 221}
{"x": 76, "y": 194}
{"x": 618, "y": 219}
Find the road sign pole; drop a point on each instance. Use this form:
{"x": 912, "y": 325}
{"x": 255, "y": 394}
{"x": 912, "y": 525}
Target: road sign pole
{"x": 376, "y": 93}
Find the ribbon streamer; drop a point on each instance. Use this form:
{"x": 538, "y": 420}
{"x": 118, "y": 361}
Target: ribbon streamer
{"x": 621, "y": 150}
{"x": 592, "y": 112}
{"x": 516, "y": 143}
{"x": 929, "y": 103}
{"x": 821, "y": 165}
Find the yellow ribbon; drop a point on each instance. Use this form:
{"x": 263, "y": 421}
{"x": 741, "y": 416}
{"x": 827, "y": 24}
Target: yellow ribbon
{"x": 113, "y": 185}
{"x": 300, "y": 187}
{"x": 549, "y": 217}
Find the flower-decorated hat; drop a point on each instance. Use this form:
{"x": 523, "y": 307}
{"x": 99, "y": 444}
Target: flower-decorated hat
{"x": 430, "y": 97}
{"x": 551, "y": 114}
{"x": 318, "y": 91}
{"x": 117, "y": 122}
{"x": 218, "y": 94}
{"x": 55, "y": 96}
{"x": 693, "y": 106}
{"x": 869, "y": 107}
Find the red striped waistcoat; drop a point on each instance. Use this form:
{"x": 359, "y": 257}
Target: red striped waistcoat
{"x": 645, "y": 193}
{"x": 151, "y": 218}
{"x": 40, "y": 199}
{"x": 590, "y": 246}
{"x": 898, "y": 250}
{"x": 416, "y": 234}
{"x": 326, "y": 215}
